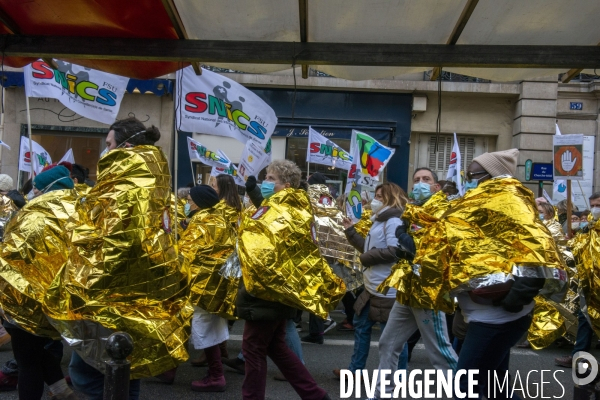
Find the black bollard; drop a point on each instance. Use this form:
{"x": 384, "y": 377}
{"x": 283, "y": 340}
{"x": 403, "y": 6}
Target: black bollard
{"x": 119, "y": 346}
{"x": 585, "y": 392}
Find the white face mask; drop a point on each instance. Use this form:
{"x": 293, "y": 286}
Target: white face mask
{"x": 104, "y": 152}
{"x": 574, "y": 225}
{"x": 376, "y": 205}
{"x": 595, "y": 213}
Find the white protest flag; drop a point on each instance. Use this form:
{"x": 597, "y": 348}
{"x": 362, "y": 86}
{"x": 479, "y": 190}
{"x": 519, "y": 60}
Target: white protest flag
{"x": 253, "y": 160}
{"x": 321, "y": 150}
{"x": 230, "y": 170}
{"x": 4, "y": 144}
{"x": 68, "y": 157}
{"x": 454, "y": 174}
{"x": 198, "y": 152}
{"x": 90, "y": 93}
{"x": 40, "y": 156}
{"x": 211, "y": 103}
{"x": 226, "y": 161}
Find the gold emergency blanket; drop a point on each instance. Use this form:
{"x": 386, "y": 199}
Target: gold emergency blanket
{"x": 123, "y": 272}
{"x": 7, "y": 210}
{"x": 34, "y": 250}
{"x": 586, "y": 251}
{"x": 406, "y": 281}
{"x": 547, "y": 324}
{"x": 485, "y": 239}
{"x": 363, "y": 226}
{"x": 552, "y": 320}
{"x": 280, "y": 257}
{"x": 82, "y": 189}
{"x": 207, "y": 243}
{"x": 334, "y": 246}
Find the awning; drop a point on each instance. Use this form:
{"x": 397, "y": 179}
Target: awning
{"x": 498, "y": 25}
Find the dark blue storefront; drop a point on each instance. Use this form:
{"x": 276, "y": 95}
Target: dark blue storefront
{"x": 385, "y": 116}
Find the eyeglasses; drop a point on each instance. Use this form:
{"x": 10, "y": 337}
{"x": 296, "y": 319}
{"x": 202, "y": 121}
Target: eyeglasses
{"x": 471, "y": 175}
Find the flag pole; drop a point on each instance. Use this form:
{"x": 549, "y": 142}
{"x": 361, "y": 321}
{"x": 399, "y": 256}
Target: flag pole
{"x": 29, "y": 133}
{"x": 193, "y": 173}
{"x": 307, "y": 170}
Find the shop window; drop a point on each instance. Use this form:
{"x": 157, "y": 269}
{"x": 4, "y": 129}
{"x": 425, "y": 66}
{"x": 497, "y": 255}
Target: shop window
{"x": 86, "y": 147}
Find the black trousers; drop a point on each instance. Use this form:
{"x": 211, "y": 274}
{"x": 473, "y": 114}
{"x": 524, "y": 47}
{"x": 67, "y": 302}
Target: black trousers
{"x": 37, "y": 364}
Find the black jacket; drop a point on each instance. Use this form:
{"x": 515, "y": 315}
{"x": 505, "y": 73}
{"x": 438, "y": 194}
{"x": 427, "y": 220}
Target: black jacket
{"x": 252, "y": 308}
{"x": 255, "y": 196}
{"x": 521, "y": 293}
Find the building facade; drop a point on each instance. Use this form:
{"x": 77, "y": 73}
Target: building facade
{"x": 401, "y": 113}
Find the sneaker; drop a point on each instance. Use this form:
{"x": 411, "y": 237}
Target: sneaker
{"x": 318, "y": 339}
{"x": 236, "y": 364}
{"x": 8, "y": 383}
{"x": 566, "y": 361}
{"x": 329, "y": 325}
{"x": 345, "y": 327}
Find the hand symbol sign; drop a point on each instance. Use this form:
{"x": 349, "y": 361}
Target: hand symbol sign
{"x": 566, "y": 162}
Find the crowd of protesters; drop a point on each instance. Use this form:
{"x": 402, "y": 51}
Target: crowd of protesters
{"x": 477, "y": 335}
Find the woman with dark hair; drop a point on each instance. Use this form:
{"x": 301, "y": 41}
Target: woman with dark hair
{"x": 131, "y": 132}
{"x": 125, "y": 241}
{"x": 226, "y": 188}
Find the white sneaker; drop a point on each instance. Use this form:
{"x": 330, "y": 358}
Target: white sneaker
{"x": 329, "y": 325}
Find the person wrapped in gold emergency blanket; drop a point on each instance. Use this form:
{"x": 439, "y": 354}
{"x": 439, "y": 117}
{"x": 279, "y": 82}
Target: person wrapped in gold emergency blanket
{"x": 208, "y": 245}
{"x": 586, "y": 251}
{"x": 551, "y": 319}
{"x": 123, "y": 271}
{"x": 282, "y": 269}
{"x": 402, "y": 278}
{"x": 35, "y": 248}
{"x": 280, "y": 257}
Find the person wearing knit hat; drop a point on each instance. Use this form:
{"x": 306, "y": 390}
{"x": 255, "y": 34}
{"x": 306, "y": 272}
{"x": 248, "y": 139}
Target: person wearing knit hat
{"x": 56, "y": 178}
{"x": 6, "y": 183}
{"x": 203, "y": 196}
{"x": 499, "y": 162}
{"x": 317, "y": 178}
{"x": 498, "y": 313}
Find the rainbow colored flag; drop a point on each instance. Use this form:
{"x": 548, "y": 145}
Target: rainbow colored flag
{"x": 373, "y": 156}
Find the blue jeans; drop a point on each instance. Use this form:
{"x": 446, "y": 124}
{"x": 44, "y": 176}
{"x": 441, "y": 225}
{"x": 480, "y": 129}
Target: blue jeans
{"x": 292, "y": 339}
{"x": 89, "y": 381}
{"x": 583, "y": 341}
{"x": 363, "y": 327}
{"x": 487, "y": 348}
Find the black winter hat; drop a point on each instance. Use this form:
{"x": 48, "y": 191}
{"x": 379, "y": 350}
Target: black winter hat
{"x": 204, "y": 196}
{"x": 317, "y": 178}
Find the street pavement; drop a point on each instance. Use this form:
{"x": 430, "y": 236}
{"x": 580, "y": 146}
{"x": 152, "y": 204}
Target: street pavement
{"x": 336, "y": 353}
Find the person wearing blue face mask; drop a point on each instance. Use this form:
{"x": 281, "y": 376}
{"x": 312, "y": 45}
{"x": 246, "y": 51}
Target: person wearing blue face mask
{"x": 425, "y": 184}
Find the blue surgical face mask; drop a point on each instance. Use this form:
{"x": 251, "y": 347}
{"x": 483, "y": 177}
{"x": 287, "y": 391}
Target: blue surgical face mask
{"x": 583, "y": 224}
{"x": 267, "y": 189}
{"x": 542, "y": 216}
{"x": 186, "y": 209}
{"x": 471, "y": 185}
{"x": 421, "y": 191}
